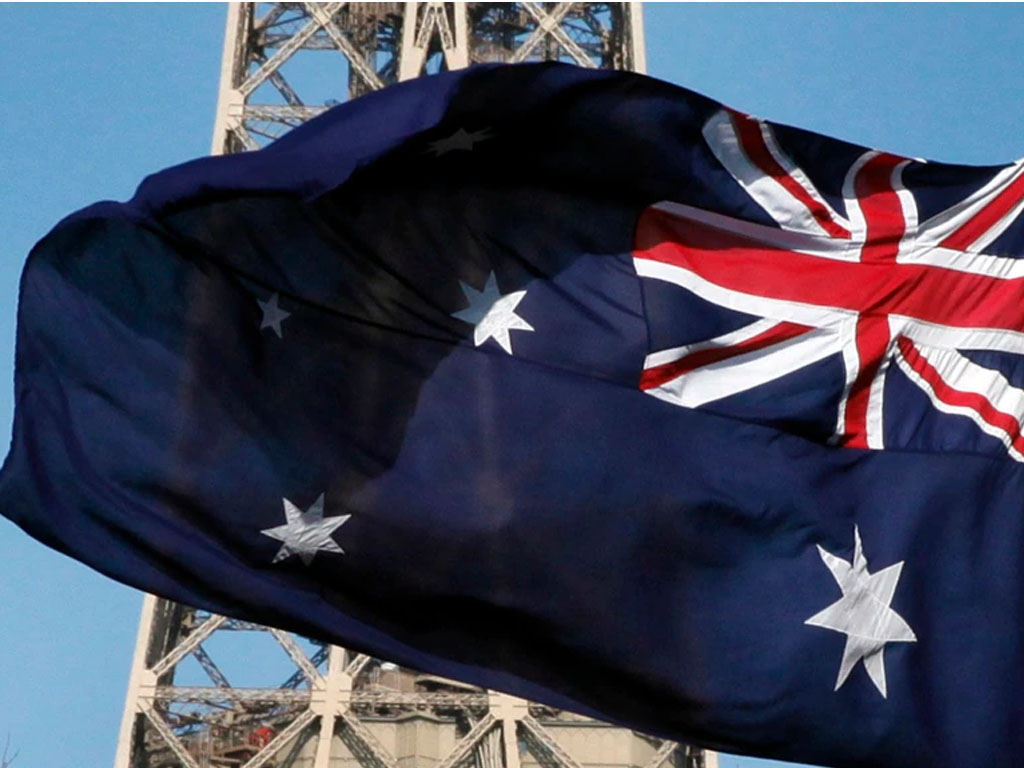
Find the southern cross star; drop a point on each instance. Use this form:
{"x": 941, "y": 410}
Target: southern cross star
{"x": 460, "y": 140}
{"x": 493, "y": 315}
{"x": 306, "y": 533}
{"x": 273, "y": 315}
{"x": 863, "y": 613}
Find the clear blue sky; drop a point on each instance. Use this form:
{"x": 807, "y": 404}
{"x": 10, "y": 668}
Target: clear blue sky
{"x": 92, "y": 98}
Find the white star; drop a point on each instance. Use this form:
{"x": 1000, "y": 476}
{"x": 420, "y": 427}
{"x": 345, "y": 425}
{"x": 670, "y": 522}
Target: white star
{"x": 493, "y": 314}
{"x": 306, "y": 533}
{"x": 863, "y": 613}
{"x": 460, "y": 140}
{"x": 273, "y": 315}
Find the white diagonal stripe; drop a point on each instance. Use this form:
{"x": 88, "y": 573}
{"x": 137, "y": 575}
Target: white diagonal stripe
{"x": 998, "y": 228}
{"x": 775, "y": 199}
{"x": 760, "y": 306}
{"x": 964, "y": 375}
{"x": 999, "y": 267}
{"x": 723, "y": 378}
{"x": 952, "y": 337}
{"x": 941, "y": 225}
{"x": 725, "y": 340}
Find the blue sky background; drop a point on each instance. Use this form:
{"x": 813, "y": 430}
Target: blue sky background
{"x": 94, "y": 97}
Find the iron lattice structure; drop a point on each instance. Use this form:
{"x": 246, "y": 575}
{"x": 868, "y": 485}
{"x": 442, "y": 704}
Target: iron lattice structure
{"x": 316, "y": 705}
{"x": 373, "y": 45}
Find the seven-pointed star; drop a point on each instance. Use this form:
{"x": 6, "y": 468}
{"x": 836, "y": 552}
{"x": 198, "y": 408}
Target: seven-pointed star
{"x": 461, "y": 139}
{"x": 863, "y": 613}
{"x": 273, "y": 315}
{"x": 306, "y": 533}
{"x": 493, "y": 315}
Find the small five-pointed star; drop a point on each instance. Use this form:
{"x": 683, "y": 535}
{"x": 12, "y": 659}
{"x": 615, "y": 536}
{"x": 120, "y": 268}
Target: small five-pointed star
{"x": 493, "y": 315}
{"x": 273, "y": 315}
{"x": 306, "y": 533}
{"x": 863, "y": 613}
{"x": 460, "y": 140}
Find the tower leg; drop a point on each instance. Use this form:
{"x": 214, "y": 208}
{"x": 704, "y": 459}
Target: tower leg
{"x": 337, "y": 706}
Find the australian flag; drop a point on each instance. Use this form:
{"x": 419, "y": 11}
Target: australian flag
{"x": 571, "y": 384}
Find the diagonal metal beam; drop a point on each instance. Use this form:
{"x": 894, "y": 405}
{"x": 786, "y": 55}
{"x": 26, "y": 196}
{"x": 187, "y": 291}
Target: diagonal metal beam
{"x": 298, "y": 656}
{"x": 243, "y": 135}
{"x": 356, "y": 665}
{"x": 275, "y": 12}
{"x": 488, "y": 752}
{"x": 547, "y": 741}
{"x": 188, "y": 645}
{"x": 469, "y": 741}
{"x": 298, "y": 676}
{"x": 278, "y": 81}
{"x": 210, "y": 668}
{"x": 426, "y": 26}
{"x": 367, "y": 740}
{"x": 294, "y": 728}
{"x": 418, "y": 30}
{"x": 324, "y": 18}
{"x": 572, "y": 48}
{"x": 161, "y": 727}
{"x": 435, "y": 17}
{"x": 286, "y": 51}
{"x": 551, "y": 25}
{"x": 664, "y": 753}
{"x": 544, "y": 21}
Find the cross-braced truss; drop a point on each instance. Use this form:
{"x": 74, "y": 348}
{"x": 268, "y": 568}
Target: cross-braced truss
{"x": 327, "y": 707}
{"x": 336, "y": 705}
{"x": 330, "y": 52}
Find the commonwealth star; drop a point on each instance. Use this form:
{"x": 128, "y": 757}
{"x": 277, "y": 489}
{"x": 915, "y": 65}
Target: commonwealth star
{"x": 863, "y": 613}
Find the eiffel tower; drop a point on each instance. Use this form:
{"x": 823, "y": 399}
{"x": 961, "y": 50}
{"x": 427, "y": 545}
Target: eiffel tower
{"x": 293, "y": 702}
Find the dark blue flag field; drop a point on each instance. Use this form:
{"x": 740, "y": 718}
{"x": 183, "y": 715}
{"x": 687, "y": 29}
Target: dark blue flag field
{"x": 571, "y": 384}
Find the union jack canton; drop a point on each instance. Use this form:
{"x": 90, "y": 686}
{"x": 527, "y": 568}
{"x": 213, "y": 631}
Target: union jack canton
{"x": 924, "y": 316}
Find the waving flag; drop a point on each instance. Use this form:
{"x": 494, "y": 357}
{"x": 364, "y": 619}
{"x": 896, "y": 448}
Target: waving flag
{"x": 571, "y": 384}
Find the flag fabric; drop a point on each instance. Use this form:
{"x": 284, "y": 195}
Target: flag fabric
{"x": 571, "y": 384}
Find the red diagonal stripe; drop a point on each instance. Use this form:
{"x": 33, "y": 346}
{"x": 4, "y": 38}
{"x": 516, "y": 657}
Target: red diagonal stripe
{"x": 661, "y": 374}
{"x": 961, "y": 239}
{"x": 955, "y": 397}
{"x": 749, "y": 132}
